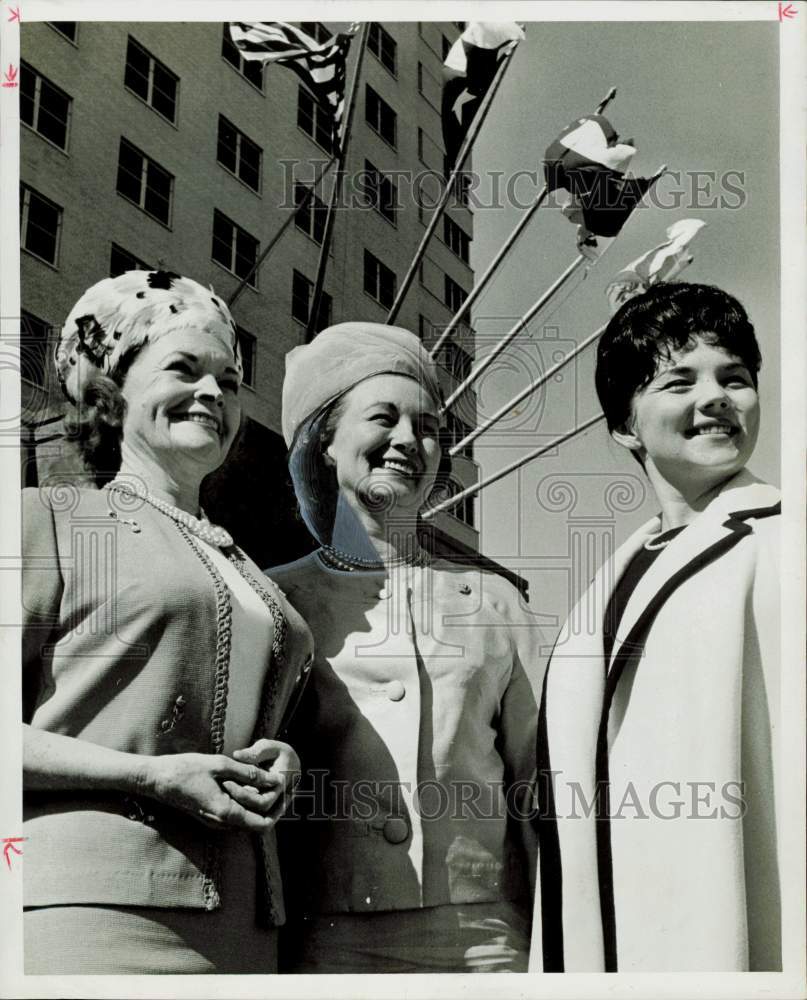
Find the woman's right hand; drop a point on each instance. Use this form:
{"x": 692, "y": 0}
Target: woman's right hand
{"x": 193, "y": 782}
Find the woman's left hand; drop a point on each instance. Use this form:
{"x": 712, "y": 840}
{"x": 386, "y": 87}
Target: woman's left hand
{"x": 283, "y": 766}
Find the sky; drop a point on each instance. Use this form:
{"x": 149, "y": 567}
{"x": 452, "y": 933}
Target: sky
{"x": 699, "y": 97}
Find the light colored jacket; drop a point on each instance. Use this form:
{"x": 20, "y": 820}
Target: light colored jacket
{"x": 126, "y": 643}
{"x": 681, "y": 725}
{"x": 417, "y": 735}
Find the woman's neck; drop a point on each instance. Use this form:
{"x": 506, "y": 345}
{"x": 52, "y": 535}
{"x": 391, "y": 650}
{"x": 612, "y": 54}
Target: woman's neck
{"x": 680, "y": 506}
{"x": 366, "y": 535}
{"x": 144, "y": 471}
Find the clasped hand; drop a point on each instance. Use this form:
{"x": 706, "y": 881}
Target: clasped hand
{"x": 250, "y": 790}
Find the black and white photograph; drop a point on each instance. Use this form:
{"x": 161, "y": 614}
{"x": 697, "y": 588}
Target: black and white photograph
{"x": 403, "y": 438}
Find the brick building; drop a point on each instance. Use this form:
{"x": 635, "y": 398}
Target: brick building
{"x": 157, "y": 145}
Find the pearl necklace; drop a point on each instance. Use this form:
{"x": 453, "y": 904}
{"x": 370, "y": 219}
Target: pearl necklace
{"x": 199, "y": 526}
{"x": 339, "y": 559}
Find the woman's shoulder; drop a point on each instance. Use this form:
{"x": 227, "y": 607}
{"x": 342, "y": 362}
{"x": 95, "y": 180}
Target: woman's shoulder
{"x": 292, "y": 575}
{"x": 59, "y": 502}
{"x": 466, "y": 578}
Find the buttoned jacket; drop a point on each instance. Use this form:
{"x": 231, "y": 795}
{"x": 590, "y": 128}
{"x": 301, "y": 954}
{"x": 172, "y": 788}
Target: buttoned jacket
{"x": 681, "y": 727}
{"x": 126, "y": 643}
{"x": 416, "y": 735}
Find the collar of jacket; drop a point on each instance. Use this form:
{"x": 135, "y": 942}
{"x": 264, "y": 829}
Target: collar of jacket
{"x": 725, "y": 521}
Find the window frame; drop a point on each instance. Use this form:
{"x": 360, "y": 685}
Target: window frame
{"x": 449, "y": 226}
{"x": 25, "y": 210}
{"x": 317, "y": 110}
{"x": 235, "y": 229}
{"x": 383, "y": 35}
{"x": 39, "y": 79}
{"x": 315, "y": 207}
{"x": 67, "y": 38}
{"x": 380, "y": 104}
{"x": 240, "y": 139}
{"x": 381, "y": 184}
{"x": 144, "y": 186}
{"x": 150, "y": 82}
{"x": 448, "y": 285}
{"x": 245, "y": 338}
{"x": 325, "y": 303}
{"x": 380, "y": 268}
{"x": 226, "y": 45}
{"x": 29, "y": 322}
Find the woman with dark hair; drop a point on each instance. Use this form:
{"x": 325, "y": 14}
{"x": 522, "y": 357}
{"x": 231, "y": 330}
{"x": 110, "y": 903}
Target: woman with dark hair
{"x": 657, "y": 737}
{"x": 417, "y": 731}
{"x": 158, "y": 660}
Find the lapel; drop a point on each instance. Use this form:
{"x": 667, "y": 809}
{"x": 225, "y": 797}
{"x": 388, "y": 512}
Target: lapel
{"x": 707, "y": 536}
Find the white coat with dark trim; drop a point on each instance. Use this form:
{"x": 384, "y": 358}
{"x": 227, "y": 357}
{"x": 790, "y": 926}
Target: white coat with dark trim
{"x": 689, "y": 853}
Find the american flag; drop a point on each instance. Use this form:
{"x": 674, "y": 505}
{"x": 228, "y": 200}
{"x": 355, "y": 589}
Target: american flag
{"x": 320, "y": 65}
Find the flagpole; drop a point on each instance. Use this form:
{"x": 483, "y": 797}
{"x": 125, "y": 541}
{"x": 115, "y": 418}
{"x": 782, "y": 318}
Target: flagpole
{"x": 538, "y": 305}
{"x": 541, "y": 380}
{"x": 470, "y": 491}
{"x": 286, "y": 223}
{"x": 513, "y": 332}
{"x": 465, "y": 149}
{"x": 325, "y": 248}
{"x": 480, "y": 286}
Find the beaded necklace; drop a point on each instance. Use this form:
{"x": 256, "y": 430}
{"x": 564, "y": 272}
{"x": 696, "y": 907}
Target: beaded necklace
{"x": 199, "y": 526}
{"x": 339, "y": 559}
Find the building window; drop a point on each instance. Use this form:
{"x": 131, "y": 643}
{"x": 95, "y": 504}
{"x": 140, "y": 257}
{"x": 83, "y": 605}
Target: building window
{"x": 457, "y": 361}
{"x": 248, "y": 343}
{"x": 233, "y": 247}
{"x": 250, "y": 69}
{"x": 379, "y": 280}
{"x": 380, "y": 116}
{"x": 151, "y": 80}
{"x": 316, "y": 30}
{"x": 311, "y": 216}
{"x": 453, "y": 294}
{"x": 40, "y": 225}
{"x": 383, "y": 46}
{"x": 44, "y": 107}
{"x": 121, "y": 260}
{"x": 239, "y": 154}
{"x": 302, "y": 291}
{"x": 462, "y": 186}
{"x": 456, "y": 239}
{"x": 34, "y": 348}
{"x": 66, "y": 28}
{"x": 381, "y": 191}
{"x": 314, "y": 120}
{"x": 144, "y": 182}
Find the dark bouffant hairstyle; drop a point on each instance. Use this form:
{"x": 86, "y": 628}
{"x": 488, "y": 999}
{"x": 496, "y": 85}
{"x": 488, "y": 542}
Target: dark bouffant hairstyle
{"x": 95, "y": 424}
{"x": 666, "y": 318}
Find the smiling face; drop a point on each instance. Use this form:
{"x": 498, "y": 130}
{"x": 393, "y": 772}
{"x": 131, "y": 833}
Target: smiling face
{"x": 695, "y": 423}
{"x": 385, "y": 444}
{"x": 181, "y": 395}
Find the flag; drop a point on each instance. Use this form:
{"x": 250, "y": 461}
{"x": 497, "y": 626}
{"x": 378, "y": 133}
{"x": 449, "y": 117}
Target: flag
{"x": 468, "y": 71}
{"x": 320, "y": 65}
{"x": 663, "y": 263}
{"x": 589, "y": 162}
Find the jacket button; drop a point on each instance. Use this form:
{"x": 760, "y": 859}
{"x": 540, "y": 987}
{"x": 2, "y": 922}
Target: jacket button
{"x": 385, "y": 593}
{"x": 395, "y": 691}
{"x": 396, "y": 830}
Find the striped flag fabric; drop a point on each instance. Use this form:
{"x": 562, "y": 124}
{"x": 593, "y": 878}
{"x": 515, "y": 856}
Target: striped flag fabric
{"x": 468, "y": 71}
{"x": 322, "y": 66}
{"x": 663, "y": 263}
{"x": 588, "y": 160}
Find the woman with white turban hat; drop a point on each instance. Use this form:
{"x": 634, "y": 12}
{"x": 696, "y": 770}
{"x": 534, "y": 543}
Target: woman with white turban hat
{"x": 413, "y": 851}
